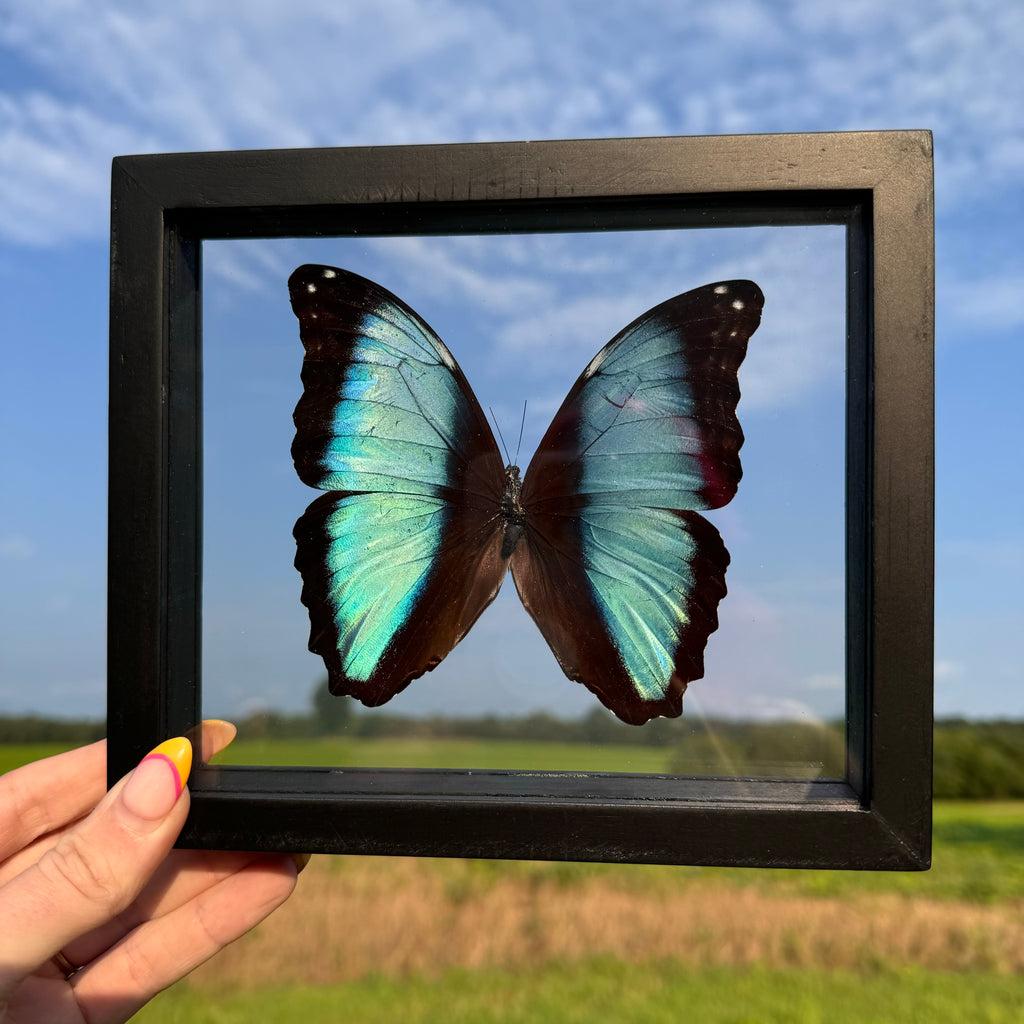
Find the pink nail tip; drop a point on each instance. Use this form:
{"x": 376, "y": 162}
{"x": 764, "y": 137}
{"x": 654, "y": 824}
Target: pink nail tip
{"x": 178, "y": 784}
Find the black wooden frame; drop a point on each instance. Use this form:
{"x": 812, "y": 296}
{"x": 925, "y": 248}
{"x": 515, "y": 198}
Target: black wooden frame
{"x": 877, "y": 184}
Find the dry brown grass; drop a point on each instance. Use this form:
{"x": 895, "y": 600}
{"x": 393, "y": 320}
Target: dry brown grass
{"x": 397, "y": 917}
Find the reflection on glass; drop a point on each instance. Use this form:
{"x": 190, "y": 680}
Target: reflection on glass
{"x": 338, "y": 731}
{"x": 522, "y": 315}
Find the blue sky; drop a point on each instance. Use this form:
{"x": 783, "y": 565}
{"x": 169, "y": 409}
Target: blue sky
{"x": 82, "y": 82}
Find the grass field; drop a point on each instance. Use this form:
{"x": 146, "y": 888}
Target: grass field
{"x": 445, "y": 753}
{"x": 383, "y": 939}
{"x": 406, "y": 753}
{"x": 609, "y": 990}
{"x": 14, "y": 755}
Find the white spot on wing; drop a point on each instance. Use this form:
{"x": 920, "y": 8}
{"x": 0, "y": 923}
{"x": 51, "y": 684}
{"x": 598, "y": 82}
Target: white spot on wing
{"x": 446, "y": 357}
{"x": 328, "y": 272}
{"x": 595, "y": 364}
{"x": 721, "y": 289}
{"x": 310, "y": 287}
{"x": 737, "y": 303}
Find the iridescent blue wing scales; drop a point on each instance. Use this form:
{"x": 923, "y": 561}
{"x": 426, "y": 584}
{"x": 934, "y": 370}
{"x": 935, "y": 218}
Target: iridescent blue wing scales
{"x": 647, "y": 436}
{"x": 385, "y": 407}
{"x": 403, "y": 555}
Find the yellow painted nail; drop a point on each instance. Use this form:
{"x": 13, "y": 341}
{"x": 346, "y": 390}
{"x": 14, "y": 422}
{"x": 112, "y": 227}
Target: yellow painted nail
{"x": 178, "y": 752}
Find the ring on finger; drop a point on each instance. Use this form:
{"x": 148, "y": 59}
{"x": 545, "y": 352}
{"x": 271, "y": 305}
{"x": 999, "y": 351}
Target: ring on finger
{"x": 64, "y": 965}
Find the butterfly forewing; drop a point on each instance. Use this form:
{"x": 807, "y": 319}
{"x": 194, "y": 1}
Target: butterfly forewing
{"x": 385, "y": 407}
{"x": 652, "y": 419}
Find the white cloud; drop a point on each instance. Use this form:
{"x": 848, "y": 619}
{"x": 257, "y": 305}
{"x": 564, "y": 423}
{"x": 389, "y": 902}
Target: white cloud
{"x": 55, "y": 168}
{"x": 947, "y": 670}
{"x": 984, "y": 304}
{"x": 709, "y": 702}
{"x": 437, "y": 267}
{"x": 16, "y": 545}
{"x": 250, "y": 265}
{"x": 801, "y": 341}
{"x": 1003, "y": 555}
{"x": 579, "y": 325}
{"x": 112, "y": 77}
{"x": 94, "y": 687}
{"x": 825, "y": 681}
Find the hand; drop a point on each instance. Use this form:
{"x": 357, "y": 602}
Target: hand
{"x": 91, "y": 880}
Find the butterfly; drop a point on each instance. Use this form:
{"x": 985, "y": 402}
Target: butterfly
{"x": 423, "y": 518}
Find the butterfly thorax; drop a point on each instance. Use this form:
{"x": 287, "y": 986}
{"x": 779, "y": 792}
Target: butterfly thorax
{"x": 512, "y": 510}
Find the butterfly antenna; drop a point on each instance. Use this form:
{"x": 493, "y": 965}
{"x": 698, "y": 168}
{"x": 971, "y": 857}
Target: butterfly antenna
{"x": 522, "y": 423}
{"x": 508, "y": 461}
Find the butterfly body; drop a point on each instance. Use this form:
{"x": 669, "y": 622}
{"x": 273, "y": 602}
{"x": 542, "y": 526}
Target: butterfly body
{"x": 602, "y": 534}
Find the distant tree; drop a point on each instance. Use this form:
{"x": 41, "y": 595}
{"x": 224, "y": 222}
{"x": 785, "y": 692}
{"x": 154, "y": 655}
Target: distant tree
{"x": 979, "y": 760}
{"x": 273, "y": 725}
{"x": 331, "y": 715}
{"x": 36, "y": 729}
{"x": 601, "y": 726}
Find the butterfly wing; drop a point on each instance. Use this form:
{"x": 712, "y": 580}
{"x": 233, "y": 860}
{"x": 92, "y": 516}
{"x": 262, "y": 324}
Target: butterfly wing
{"x": 403, "y": 555}
{"x": 620, "y": 572}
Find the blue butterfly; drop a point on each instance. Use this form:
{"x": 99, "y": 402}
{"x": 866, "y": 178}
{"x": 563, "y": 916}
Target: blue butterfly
{"x": 423, "y": 518}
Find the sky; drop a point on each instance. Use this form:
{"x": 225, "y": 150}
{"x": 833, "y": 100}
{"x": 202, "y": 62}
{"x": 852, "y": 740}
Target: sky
{"x": 82, "y": 82}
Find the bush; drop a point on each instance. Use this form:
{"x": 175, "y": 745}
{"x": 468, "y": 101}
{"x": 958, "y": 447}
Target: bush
{"x": 979, "y": 760}
{"x": 34, "y": 729}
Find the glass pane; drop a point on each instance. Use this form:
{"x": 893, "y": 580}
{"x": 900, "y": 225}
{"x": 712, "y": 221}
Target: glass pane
{"x": 523, "y": 315}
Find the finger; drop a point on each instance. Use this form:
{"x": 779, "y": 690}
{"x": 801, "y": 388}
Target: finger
{"x": 95, "y": 870}
{"x": 183, "y": 876}
{"x": 214, "y": 733}
{"x": 210, "y": 736}
{"x": 47, "y": 795}
{"x": 160, "y": 952}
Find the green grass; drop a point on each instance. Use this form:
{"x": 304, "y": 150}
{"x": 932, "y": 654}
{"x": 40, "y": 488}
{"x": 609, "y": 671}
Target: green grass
{"x": 408, "y": 753}
{"x": 977, "y": 856}
{"x": 607, "y": 990}
{"x": 14, "y": 755}
{"x": 445, "y": 753}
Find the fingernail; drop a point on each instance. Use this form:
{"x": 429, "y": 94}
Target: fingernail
{"x": 218, "y": 723}
{"x": 157, "y": 782}
{"x": 301, "y": 860}
{"x": 210, "y": 736}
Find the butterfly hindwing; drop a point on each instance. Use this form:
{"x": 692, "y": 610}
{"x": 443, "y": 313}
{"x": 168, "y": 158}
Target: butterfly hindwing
{"x": 647, "y": 436}
{"x": 392, "y": 582}
{"x": 626, "y": 600}
{"x": 404, "y": 554}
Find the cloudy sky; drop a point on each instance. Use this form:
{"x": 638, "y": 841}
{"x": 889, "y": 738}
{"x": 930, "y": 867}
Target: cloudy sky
{"x": 81, "y": 82}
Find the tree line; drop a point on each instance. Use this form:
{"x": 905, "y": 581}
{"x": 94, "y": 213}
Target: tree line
{"x": 973, "y": 759}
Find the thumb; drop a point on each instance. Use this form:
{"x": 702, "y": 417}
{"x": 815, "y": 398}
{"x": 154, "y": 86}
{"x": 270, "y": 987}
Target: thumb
{"x": 96, "y": 869}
